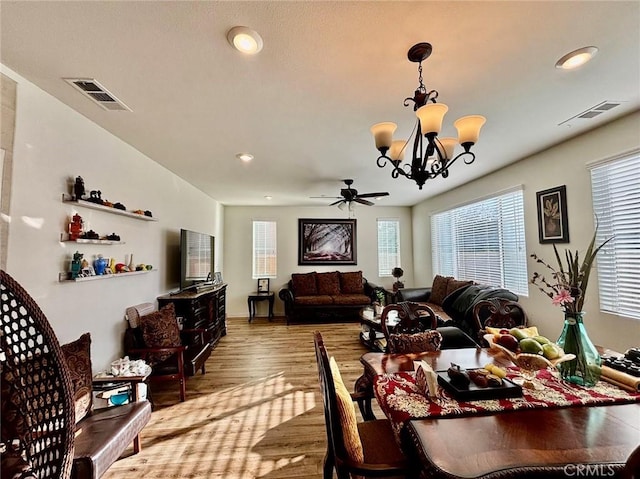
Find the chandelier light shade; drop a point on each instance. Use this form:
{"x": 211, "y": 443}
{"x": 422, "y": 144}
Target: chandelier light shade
{"x": 432, "y": 156}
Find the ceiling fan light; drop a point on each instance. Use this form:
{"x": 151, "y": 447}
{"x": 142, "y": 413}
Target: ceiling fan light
{"x": 448, "y": 146}
{"x": 342, "y": 205}
{"x": 431, "y": 116}
{"x": 396, "y": 153}
{"x": 383, "y": 134}
{"x": 576, "y": 58}
{"x": 469, "y": 128}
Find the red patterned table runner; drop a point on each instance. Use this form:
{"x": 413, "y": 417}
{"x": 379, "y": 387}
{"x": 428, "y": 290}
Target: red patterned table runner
{"x": 401, "y": 400}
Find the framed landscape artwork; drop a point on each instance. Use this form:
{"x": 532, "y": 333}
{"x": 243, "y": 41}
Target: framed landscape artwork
{"x": 553, "y": 224}
{"x": 326, "y": 241}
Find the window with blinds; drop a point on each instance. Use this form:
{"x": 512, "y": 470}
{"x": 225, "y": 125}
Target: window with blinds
{"x": 264, "y": 249}
{"x": 616, "y": 203}
{"x": 388, "y": 246}
{"x": 483, "y": 241}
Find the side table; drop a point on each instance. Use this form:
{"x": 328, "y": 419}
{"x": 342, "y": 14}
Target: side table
{"x": 255, "y": 297}
{"x": 133, "y": 382}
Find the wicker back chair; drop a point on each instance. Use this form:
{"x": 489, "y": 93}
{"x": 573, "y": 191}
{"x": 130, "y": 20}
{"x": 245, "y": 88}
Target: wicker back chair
{"x": 38, "y": 416}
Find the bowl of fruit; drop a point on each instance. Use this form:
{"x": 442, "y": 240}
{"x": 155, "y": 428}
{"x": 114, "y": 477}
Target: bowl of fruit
{"x": 528, "y": 350}
{"x": 527, "y": 344}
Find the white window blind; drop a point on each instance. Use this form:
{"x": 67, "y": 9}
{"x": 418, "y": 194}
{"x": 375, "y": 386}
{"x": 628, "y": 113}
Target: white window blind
{"x": 388, "y": 246}
{"x": 616, "y": 203}
{"x": 483, "y": 241}
{"x": 264, "y": 249}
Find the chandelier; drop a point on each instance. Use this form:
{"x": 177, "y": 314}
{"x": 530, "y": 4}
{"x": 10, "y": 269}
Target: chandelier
{"x": 433, "y": 157}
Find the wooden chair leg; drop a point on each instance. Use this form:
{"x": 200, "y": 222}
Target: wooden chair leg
{"x": 183, "y": 389}
{"x": 327, "y": 469}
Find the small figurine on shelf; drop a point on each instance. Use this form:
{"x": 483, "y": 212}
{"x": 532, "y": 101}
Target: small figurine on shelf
{"x": 78, "y": 188}
{"x": 75, "y": 227}
{"x": 76, "y": 265}
{"x": 95, "y": 196}
{"x": 113, "y": 237}
{"x": 91, "y": 235}
{"x": 100, "y": 265}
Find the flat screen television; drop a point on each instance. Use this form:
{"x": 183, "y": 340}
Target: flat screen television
{"x": 196, "y": 258}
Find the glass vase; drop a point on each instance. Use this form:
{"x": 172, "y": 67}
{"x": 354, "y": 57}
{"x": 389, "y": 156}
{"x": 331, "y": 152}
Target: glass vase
{"x": 585, "y": 368}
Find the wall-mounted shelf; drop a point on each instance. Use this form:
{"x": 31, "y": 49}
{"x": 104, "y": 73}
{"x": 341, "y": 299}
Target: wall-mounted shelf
{"x": 107, "y": 209}
{"x": 88, "y": 241}
{"x": 103, "y": 276}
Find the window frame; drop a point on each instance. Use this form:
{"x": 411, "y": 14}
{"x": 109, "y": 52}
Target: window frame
{"x": 257, "y": 273}
{"x": 501, "y": 261}
{"x": 615, "y": 195}
{"x": 388, "y": 256}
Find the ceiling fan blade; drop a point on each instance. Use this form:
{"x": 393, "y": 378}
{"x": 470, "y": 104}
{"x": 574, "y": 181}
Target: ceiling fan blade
{"x": 336, "y": 202}
{"x": 326, "y": 197}
{"x": 373, "y": 195}
{"x": 364, "y": 202}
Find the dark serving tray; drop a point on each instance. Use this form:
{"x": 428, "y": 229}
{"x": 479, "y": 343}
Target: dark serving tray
{"x": 509, "y": 389}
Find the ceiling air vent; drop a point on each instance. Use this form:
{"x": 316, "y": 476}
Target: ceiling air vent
{"x": 594, "y": 111}
{"x": 99, "y": 94}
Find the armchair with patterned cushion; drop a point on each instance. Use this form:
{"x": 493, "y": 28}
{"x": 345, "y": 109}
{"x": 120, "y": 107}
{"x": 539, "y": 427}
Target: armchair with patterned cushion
{"x": 156, "y": 337}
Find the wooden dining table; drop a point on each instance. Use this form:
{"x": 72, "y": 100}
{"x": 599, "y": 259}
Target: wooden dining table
{"x": 577, "y": 441}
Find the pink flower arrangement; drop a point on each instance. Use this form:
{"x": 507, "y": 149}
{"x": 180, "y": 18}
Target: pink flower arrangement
{"x": 568, "y": 282}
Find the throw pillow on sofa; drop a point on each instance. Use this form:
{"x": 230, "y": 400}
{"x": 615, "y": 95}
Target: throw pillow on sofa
{"x": 328, "y": 283}
{"x": 351, "y": 283}
{"x": 454, "y": 285}
{"x": 439, "y": 289}
{"x": 78, "y": 357}
{"x": 304, "y": 284}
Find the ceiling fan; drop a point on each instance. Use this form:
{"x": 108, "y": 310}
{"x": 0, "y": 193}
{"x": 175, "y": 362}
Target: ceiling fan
{"x": 350, "y": 195}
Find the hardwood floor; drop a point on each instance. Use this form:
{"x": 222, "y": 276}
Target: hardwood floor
{"x": 256, "y": 413}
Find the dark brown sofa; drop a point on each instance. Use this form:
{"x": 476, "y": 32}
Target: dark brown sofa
{"x": 326, "y": 296}
{"x": 453, "y": 301}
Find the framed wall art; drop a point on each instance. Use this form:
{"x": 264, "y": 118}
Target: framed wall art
{"x": 263, "y": 285}
{"x": 326, "y": 241}
{"x": 553, "y": 223}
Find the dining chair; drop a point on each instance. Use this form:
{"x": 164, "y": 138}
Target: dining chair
{"x": 38, "y": 412}
{"x": 632, "y": 466}
{"x": 413, "y": 330}
{"x": 497, "y": 313}
{"x": 366, "y": 448}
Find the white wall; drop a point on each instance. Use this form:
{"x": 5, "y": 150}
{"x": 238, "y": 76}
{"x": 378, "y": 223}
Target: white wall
{"x": 562, "y": 165}
{"x": 53, "y": 144}
{"x": 238, "y": 248}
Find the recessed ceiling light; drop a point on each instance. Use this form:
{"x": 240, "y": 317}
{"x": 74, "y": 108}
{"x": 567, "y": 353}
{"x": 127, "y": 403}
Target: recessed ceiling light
{"x": 245, "y": 40}
{"x": 268, "y": 197}
{"x": 244, "y": 156}
{"x": 576, "y": 58}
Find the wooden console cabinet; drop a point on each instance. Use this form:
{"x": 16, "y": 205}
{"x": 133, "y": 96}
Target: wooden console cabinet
{"x": 206, "y": 310}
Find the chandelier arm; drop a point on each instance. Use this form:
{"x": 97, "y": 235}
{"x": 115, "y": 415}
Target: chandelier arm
{"x": 471, "y": 158}
{"x": 382, "y": 161}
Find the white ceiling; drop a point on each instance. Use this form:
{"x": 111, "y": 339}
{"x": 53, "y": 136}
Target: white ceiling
{"x": 328, "y": 71}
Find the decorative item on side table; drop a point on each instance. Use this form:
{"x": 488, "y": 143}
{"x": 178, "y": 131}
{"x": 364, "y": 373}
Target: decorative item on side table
{"x": 263, "y": 285}
{"x": 567, "y": 288}
{"x": 397, "y": 273}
